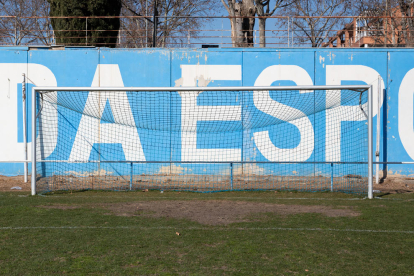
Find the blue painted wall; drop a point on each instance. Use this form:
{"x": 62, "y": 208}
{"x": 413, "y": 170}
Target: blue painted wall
{"x": 245, "y": 67}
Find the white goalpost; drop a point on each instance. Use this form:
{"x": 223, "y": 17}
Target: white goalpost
{"x": 306, "y": 138}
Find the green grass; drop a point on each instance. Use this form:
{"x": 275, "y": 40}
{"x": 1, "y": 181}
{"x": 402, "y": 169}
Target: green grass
{"x": 39, "y": 241}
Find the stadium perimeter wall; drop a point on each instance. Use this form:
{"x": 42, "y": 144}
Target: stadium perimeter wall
{"x": 212, "y": 67}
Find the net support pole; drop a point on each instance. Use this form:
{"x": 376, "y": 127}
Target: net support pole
{"x": 130, "y": 177}
{"x": 377, "y": 148}
{"x": 332, "y": 174}
{"x": 24, "y": 98}
{"x": 33, "y": 180}
{"x": 370, "y": 145}
{"x": 231, "y": 176}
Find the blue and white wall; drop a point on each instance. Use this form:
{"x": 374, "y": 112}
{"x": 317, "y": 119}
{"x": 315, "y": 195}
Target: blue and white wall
{"x": 217, "y": 67}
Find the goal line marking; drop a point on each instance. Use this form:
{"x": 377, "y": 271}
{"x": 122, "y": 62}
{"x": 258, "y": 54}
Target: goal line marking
{"x": 206, "y": 229}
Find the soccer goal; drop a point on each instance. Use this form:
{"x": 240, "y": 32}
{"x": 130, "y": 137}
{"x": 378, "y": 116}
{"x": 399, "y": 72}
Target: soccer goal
{"x": 304, "y": 138}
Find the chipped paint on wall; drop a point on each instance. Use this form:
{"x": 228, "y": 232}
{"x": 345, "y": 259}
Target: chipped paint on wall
{"x": 213, "y": 67}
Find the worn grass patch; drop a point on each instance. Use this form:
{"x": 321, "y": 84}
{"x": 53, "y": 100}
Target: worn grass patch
{"x": 262, "y": 233}
{"x": 209, "y": 212}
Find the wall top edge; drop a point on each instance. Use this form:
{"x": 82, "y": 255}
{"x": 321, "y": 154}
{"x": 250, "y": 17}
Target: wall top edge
{"x": 89, "y": 48}
{"x": 14, "y": 48}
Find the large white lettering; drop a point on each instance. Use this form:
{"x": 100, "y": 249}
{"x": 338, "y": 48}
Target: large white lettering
{"x": 406, "y": 113}
{"x": 10, "y": 76}
{"x": 123, "y": 131}
{"x": 266, "y": 104}
{"x": 191, "y": 113}
{"x": 335, "y": 74}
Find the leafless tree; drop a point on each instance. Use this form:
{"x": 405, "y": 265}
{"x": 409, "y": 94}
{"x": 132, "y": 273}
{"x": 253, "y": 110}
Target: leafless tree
{"x": 242, "y": 19}
{"x": 406, "y": 8}
{"x": 314, "y": 20}
{"x": 368, "y": 21}
{"x": 399, "y": 26}
{"x": 175, "y": 25}
{"x": 29, "y": 23}
{"x": 388, "y": 23}
{"x": 263, "y": 11}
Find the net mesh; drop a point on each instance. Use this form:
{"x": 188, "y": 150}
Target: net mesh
{"x": 312, "y": 140}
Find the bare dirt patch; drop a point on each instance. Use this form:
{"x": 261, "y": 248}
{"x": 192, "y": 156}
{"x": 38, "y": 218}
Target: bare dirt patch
{"x": 396, "y": 185}
{"x": 391, "y": 184}
{"x": 196, "y": 182}
{"x": 8, "y": 182}
{"x": 217, "y": 212}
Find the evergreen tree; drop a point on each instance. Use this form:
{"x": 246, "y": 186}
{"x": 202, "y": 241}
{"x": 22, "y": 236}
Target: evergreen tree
{"x": 100, "y": 32}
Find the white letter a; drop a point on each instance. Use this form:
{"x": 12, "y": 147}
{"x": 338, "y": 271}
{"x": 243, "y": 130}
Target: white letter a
{"x": 123, "y": 131}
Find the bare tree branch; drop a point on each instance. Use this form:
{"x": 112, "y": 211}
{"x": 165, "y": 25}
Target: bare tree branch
{"x": 22, "y": 29}
{"x": 172, "y": 30}
{"x": 313, "y": 28}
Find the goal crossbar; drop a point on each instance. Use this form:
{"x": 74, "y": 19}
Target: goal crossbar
{"x": 356, "y": 88}
{"x": 198, "y": 88}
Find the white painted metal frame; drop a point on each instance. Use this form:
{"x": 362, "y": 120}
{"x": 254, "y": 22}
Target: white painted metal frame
{"x": 370, "y": 144}
{"x": 36, "y": 90}
{"x": 24, "y": 97}
{"x": 377, "y": 148}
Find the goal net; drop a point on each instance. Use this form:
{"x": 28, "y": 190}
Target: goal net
{"x": 312, "y": 138}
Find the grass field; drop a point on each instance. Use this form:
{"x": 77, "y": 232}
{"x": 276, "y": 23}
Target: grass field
{"x": 232, "y": 233}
